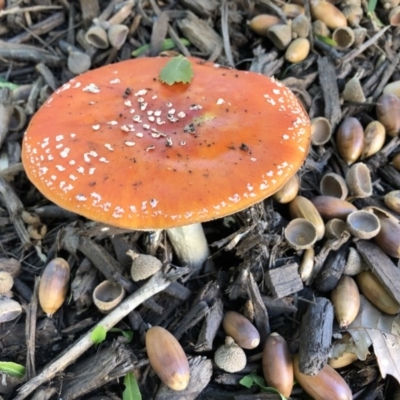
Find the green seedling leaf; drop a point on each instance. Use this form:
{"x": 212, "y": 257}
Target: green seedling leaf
{"x": 177, "y": 69}
{"x": 5, "y": 84}
{"x": 132, "y": 391}
{"x": 127, "y": 334}
{"x": 98, "y": 335}
{"x": 254, "y": 379}
{"x": 326, "y": 40}
{"x": 372, "y": 5}
{"x": 167, "y": 44}
{"x": 13, "y": 369}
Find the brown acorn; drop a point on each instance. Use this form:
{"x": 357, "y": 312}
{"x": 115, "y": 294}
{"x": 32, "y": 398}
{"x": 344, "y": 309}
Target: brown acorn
{"x": 388, "y": 238}
{"x": 331, "y": 207}
{"x": 392, "y": 200}
{"x": 243, "y": 332}
{"x": 374, "y": 290}
{"x": 261, "y": 23}
{"x": 301, "y": 207}
{"x": 350, "y": 139}
{"x": 346, "y": 301}
{"x": 288, "y": 191}
{"x": 327, "y": 13}
{"x": 167, "y": 358}
{"x": 277, "y": 364}
{"x": 53, "y": 285}
{"x": 327, "y": 384}
{"x": 388, "y": 113}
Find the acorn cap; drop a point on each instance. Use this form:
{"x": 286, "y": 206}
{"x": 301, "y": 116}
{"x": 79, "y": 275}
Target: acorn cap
{"x": 107, "y": 295}
{"x": 143, "y": 265}
{"x": 9, "y": 309}
{"x": 230, "y": 357}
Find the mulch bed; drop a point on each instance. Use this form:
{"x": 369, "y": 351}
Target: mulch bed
{"x": 43, "y": 44}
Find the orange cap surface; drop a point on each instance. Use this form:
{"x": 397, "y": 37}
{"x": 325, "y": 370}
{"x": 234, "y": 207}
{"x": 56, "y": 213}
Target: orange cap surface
{"x": 118, "y": 146}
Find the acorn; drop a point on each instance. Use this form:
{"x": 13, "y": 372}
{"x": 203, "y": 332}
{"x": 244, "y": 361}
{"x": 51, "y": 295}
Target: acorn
{"x": 9, "y": 309}
{"x": 396, "y": 161}
{"x": 230, "y": 357}
{"x": 262, "y": 22}
{"x": 328, "y": 13}
{"x": 292, "y": 10}
{"x": 388, "y": 113}
{"x": 330, "y": 207}
{"x": 297, "y": 50}
{"x": 350, "y": 139}
{"x": 374, "y": 139}
{"x": 307, "y": 265}
{"x": 6, "y": 282}
{"x": 143, "y": 265}
{"x": 392, "y": 200}
{"x": 388, "y": 238}
{"x": 277, "y": 364}
{"x": 346, "y": 301}
{"x": 373, "y": 289}
{"x": 327, "y": 384}
{"x": 167, "y": 358}
{"x": 288, "y": 191}
{"x": 301, "y": 207}
{"x": 53, "y": 285}
{"x": 243, "y": 332}
{"x": 341, "y": 346}
{"x": 393, "y": 88}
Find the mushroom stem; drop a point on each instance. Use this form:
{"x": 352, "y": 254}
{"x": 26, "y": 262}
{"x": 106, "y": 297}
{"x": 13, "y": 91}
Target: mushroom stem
{"x": 190, "y": 245}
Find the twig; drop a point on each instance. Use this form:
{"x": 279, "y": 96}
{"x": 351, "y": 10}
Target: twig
{"x": 155, "y": 285}
{"x": 20, "y": 10}
{"x": 362, "y": 47}
{"x": 225, "y": 33}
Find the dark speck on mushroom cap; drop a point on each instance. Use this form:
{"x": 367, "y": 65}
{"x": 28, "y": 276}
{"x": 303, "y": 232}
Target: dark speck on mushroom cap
{"x": 118, "y": 146}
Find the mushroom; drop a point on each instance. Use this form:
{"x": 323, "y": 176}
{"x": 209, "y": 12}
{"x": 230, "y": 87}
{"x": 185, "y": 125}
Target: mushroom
{"x": 119, "y": 146}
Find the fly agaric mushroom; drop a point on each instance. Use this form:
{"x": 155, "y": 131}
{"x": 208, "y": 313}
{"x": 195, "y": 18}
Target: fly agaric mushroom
{"x": 119, "y": 146}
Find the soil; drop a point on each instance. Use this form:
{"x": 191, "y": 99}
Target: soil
{"x": 252, "y": 268}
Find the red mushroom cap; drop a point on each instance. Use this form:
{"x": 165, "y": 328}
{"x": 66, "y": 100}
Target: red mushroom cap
{"x": 120, "y": 147}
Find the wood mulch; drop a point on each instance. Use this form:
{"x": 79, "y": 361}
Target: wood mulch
{"x": 43, "y": 44}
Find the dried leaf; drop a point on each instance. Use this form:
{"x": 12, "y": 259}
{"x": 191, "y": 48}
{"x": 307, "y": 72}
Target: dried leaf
{"x": 383, "y": 331}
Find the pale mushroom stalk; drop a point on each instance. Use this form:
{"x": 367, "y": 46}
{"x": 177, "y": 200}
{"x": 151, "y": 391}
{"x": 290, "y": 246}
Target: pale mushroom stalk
{"x": 190, "y": 245}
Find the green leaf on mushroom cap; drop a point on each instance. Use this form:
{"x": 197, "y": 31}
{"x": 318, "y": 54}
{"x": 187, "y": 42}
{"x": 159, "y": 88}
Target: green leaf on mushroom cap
{"x": 178, "y": 69}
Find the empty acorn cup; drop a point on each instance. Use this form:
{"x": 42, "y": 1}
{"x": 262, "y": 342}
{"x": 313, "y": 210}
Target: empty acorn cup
{"x": 344, "y": 38}
{"x": 97, "y": 37}
{"x": 300, "y": 234}
{"x": 321, "y": 131}
{"x": 107, "y": 295}
{"x": 280, "y": 35}
{"x": 334, "y": 228}
{"x": 358, "y": 179}
{"x": 300, "y": 26}
{"x": 363, "y": 224}
{"x": 9, "y": 309}
{"x": 333, "y": 184}
{"x": 354, "y": 263}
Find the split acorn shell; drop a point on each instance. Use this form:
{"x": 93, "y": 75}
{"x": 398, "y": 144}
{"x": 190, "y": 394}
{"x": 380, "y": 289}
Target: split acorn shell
{"x": 167, "y": 358}
{"x": 277, "y": 364}
{"x": 243, "y": 332}
{"x": 372, "y": 288}
{"x": 346, "y": 301}
{"x": 53, "y": 285}
{"x": 327, "y": 384}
